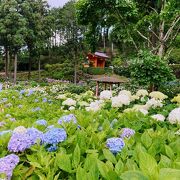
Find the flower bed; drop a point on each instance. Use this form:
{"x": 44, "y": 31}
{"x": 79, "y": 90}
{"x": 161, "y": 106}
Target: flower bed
{"x": 48, "y": 134}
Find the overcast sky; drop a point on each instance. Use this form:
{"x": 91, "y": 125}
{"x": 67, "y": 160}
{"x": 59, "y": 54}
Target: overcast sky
{"x": 57, "y": 3}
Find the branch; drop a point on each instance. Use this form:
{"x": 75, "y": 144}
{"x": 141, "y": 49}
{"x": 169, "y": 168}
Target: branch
{"x": 145, "y": 38}
{"x": 176, "y": 20}
{"x": 173, "y": 38}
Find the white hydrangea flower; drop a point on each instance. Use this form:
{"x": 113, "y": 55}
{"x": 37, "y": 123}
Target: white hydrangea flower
{"x": 134, "y": 97}
{"x": 154, "y": 103}
{"x": 124, "y": 99}
{"x": 71, "y": 108}
{"x": 83, "y": 103}
{"x": 158, "y": 95}
{"x": 177, "y": 132}
{"x": 142, "y": 92}
{"x": 95, "y": 106}
{"x": 20, "y": 130}
{"x": 158, "y": 117}
{"x": 144, "y": 111}
{"x": 61, "y": 96}
{"x": 174, "y": 116}
{"x": 125, "y": 92}
{"x": 116, "y": 101}
{"x": 105, "y": 94}
{"x": 69, "y": 102}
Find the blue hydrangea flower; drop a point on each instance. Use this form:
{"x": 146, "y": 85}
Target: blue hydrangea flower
{"x": 115, "y": 145}
{"x": 41, "y": 122}
{"x": 54, "y": 136}
{"x": 36, "y": 109}
{"x": 36, "y": 100}
{"x": 7, "y": 165}
{"x": 50, "y": 127}
{"x": 127, "y": 133}
{"x": 1, "y": 87}
{"x": 52, "y": 148}
{"x": 31, "y": 91}
{"x": 22, "y": 91}
{"x": 19, "y": 142}
{"x": 67, "y": 119}
{"x": 44, "y": 100}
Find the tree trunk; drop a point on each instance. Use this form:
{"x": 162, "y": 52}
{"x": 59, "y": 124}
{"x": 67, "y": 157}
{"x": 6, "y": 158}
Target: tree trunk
{"x": 7, "y": 63}
{"x": 15, "y": 68}
{"x": 161, "y": 37}
{"x": 75, "y": 70}
{"x": 39, "y": 69}
{"x": 30, "y": 64}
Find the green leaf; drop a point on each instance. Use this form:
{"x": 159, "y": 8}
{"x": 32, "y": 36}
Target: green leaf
{"x": 81, "y": 174}
{"x": 76, "y": 156}
{"x": 146, "y": 139}
{"x": 109, "y": 156}
{"x": 148, "y": 165}
{"x": 165, "y": 162}
{"x": 119, "y": 167}
{"x": 64, "y": 162}
{"x": 169, "y": 174}
{"x": 169, "y": 152}
{"x": 133, "y": 175}
{"x": 103, "y": 168}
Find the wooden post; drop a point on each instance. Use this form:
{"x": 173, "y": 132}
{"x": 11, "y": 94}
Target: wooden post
{"x": 104, "y": 86}
{"x": 97, "y": 88}
{"x": 110, "y": 86}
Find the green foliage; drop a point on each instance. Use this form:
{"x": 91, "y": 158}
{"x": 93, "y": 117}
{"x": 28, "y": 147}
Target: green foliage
{"x": 148, "y": 69}
{"x": 170, "y": 88}
{"x": 98, "y": 71}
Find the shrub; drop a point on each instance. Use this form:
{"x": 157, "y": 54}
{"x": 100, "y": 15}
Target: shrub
{"x": 176, "y": 69}
{"x": 77, "y": 89}
{"x": 148, "y": 69}
{"x": 171, "y": 88}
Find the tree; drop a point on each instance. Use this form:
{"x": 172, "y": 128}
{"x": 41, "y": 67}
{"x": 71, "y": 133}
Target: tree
{"x": 12, "y": 31}
{"x": 36, "y": 13}
{"x": 142, "y": 23}
{"x": 70, "y": 34}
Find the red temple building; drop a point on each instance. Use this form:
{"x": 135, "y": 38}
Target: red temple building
{"x": 98, "y": 59}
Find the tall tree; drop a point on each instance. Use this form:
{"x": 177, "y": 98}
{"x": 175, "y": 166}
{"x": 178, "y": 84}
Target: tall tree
{"x": 142, "y": 23}
{"x": 36, "y": 13}
{"x": 12, "y": 30}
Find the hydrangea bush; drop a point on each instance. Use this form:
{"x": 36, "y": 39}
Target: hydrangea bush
{"x": 119, "y": 135}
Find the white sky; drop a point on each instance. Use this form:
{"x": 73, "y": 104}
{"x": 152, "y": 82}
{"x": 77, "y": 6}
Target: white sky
{"x": 57, "y": 3}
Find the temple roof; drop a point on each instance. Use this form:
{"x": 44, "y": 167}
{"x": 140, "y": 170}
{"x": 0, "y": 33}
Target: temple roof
{"x": 110, "y": 79}
{"x": 100, "y": 54}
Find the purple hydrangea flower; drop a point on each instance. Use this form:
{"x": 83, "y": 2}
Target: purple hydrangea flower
{"x": 12, "y": 119}
{"x": 1, "y": 86}
{"x": 127, "y": 133}
{"x": 31, "y": 91}
{"x": 67, "y": 119}
{"x": 22, "y": 91}
{"x": 54, "y": 136}
{"x": 2, "y": 124}
{"x": 44, "y": 100}
{"x": 19, "y": 142}
{"x": 41, "y": 122}
{"x": 7, "y": 165}
{"x": 115, "y": 145}
{"x": 36, "y": 109}
{"x": 36, "y": 100}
